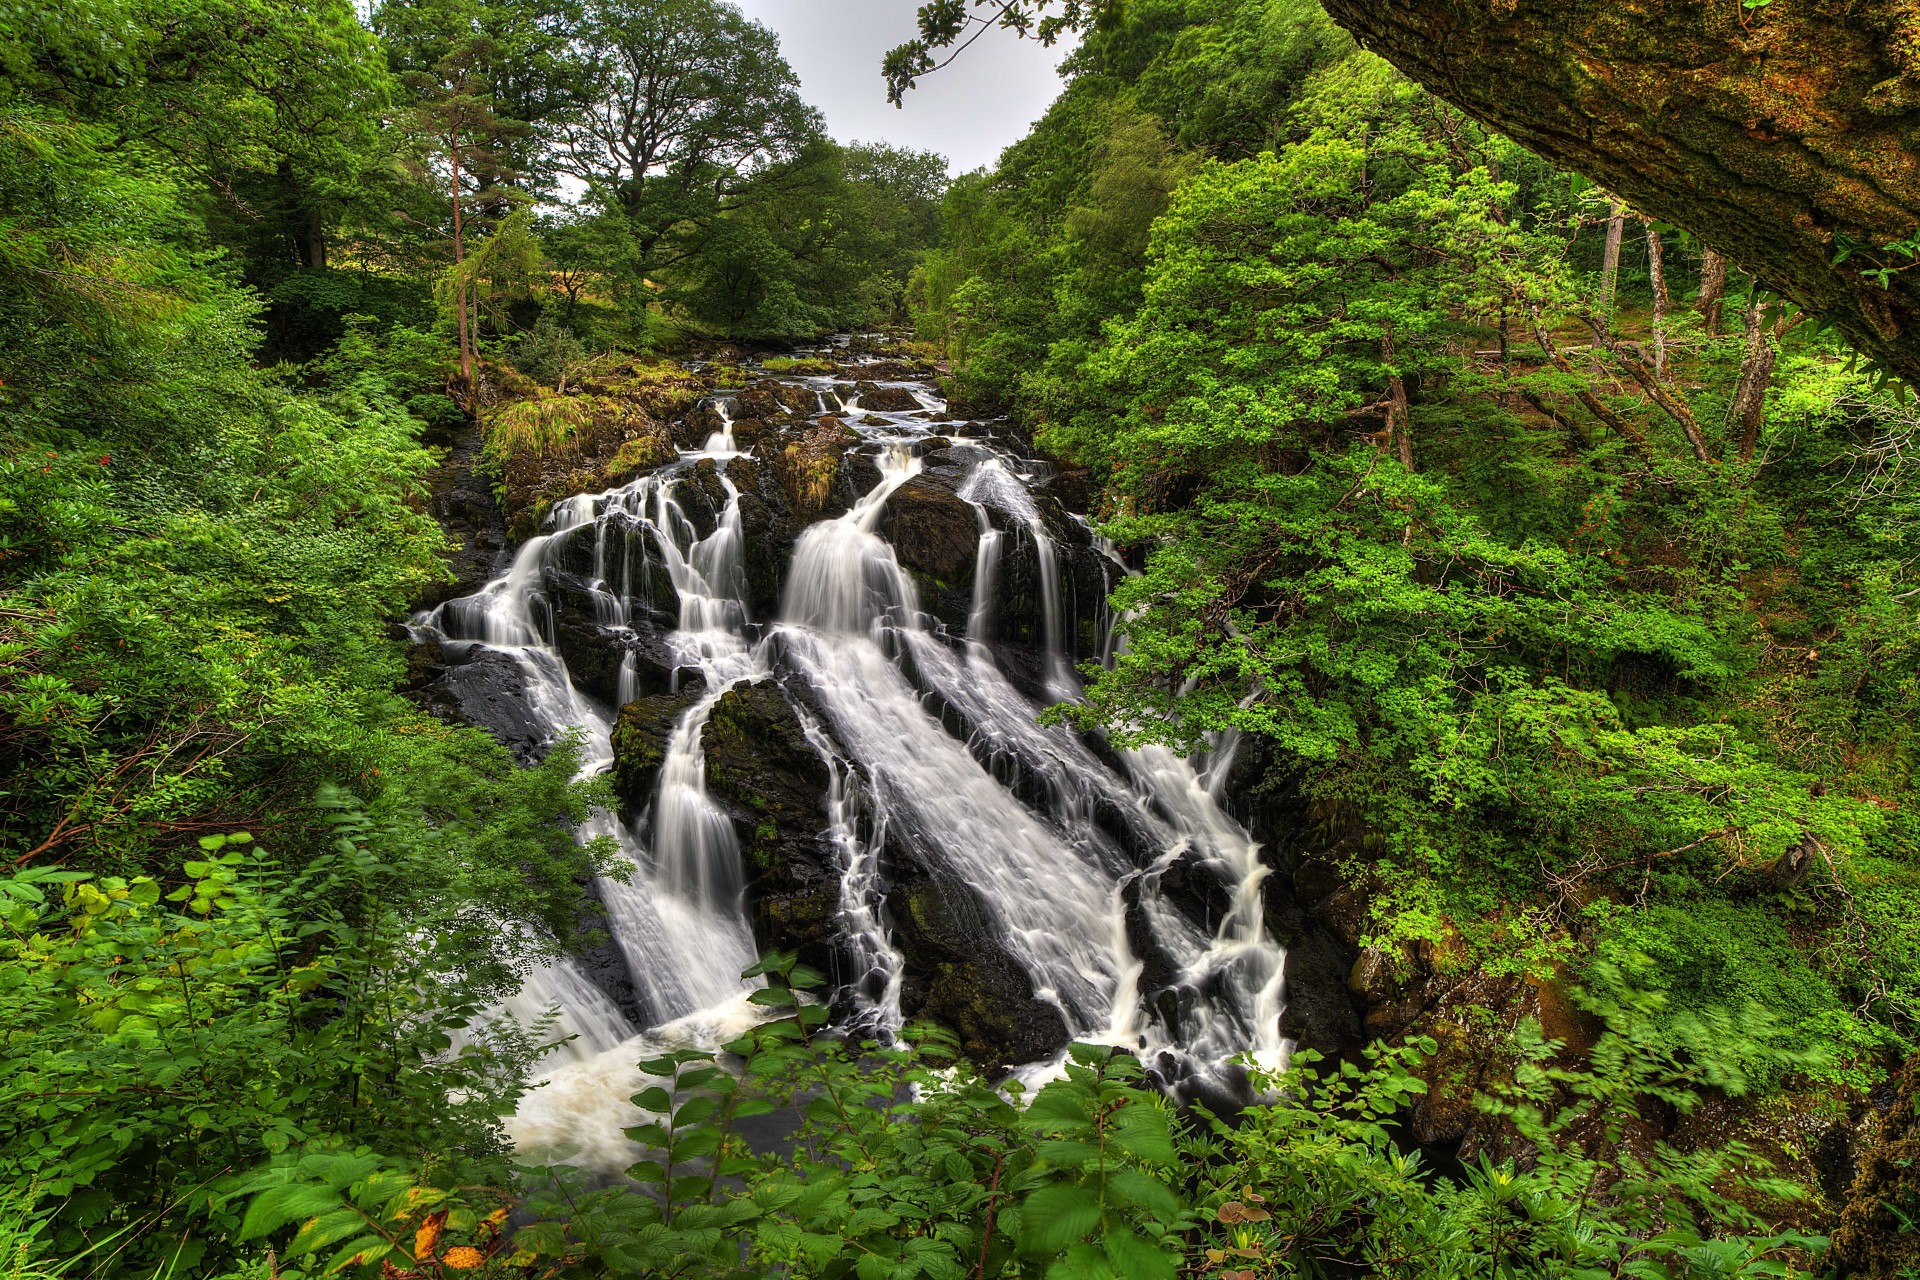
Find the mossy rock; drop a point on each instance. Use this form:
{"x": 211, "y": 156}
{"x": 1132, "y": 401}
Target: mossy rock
{"x": 767, "y": 777}
{"x": 640, "y": 743}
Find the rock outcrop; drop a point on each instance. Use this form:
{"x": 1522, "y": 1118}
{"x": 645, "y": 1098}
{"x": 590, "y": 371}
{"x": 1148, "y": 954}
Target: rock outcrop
{"x": 936, "y": 538}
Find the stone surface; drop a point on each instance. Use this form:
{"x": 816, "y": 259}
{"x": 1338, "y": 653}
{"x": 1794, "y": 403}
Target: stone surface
{"x": 770, "y": 781}
{"x": 936, "y": 538}
{"x": 960, "y": 976}
{"x": 640, "y": 743}
{"x": 462, "y": 501}
{"x": 878, "y": 399}
{"x": 487, "y": 688}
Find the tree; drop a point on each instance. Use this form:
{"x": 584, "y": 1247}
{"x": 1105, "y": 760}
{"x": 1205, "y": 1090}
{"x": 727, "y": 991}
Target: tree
{"x": 688, "y": 103}
{"x": 1820, "y": 200}
{"x": 270, "y": 108}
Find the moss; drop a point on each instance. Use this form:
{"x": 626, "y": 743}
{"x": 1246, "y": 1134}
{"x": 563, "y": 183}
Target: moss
{"x": 797, "y": 367}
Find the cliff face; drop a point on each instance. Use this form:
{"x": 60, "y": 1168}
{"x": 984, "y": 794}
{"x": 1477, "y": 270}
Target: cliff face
{"x": 1780, "y": 134}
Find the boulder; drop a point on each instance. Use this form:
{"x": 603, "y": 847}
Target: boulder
{"x": 887, "y": 370}
{"x": 767, "y": 777}
{"x": 807, "y": 465}
{"x": 768, "y": 398}
{"x": 936, "y": 538}
{"x": 960, "y": 975}
{"x": 462, "y": 501}
{"x": 879, "y": 399}
{"x": 640, "y": 742}
{"x": 767, "y": 529}
{"x": 1073, "y": 488}
{"x": 487, "y": 688}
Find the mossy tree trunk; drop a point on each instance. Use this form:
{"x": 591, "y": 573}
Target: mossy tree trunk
{"x": 1778, "y": 135}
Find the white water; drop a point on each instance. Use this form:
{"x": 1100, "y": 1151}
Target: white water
{"x": 1054, "y": 845}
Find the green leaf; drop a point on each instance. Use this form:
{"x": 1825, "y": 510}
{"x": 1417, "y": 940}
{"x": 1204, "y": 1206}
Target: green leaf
{"x": 1056, "y": 1216}
{"x": 1139, "y": 1259}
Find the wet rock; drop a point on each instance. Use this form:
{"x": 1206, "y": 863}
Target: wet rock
{"x": 807, "y": 464}
{"x": 487, "y": 688}
{"x": 640, "y": 742}
{"x": 773, "y": 400}
{"x": 1319, "y": 1013}
{"x": 1082, "y": 580}
{"x": 1073, "y": 488}
{"x": 960, "y": 976}
{"x": 426, "y": 662}
{"x": 462, "y": 501}
{"x": 936, "y": 538}
{"x": 602, "y": 963}
{"x": 767, "y": 531}
{"x": 878, "y": 399}
{"x": 609, "y": 439}
{"x": 1372, "y": 977}
{"x": 771, "y": 782}
{"x": 1876, "y": 1238}
{"x": 887, "y": 371}
{"x": 859, "y": 473}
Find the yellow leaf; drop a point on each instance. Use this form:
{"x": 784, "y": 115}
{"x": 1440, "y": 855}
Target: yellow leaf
{"x": 429, "y": 1234}
{"x": 463, "y": 1257}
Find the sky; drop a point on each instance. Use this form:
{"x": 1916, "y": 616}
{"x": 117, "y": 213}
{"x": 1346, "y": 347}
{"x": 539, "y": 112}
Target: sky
{"x": 967, "y": 112}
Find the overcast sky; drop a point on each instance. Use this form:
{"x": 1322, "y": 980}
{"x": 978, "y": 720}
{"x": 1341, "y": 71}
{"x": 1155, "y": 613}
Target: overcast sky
{"x": 968, "y": 112}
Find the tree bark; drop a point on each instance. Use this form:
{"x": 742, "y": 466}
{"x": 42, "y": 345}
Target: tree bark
{"x": 1713, "y": 291}
{"x": 1610, "y": 262}
{"x": 1657, "y": 276}
{"x": 1749, "y": 408}
{"x": 1399, "y": 413}
{"x": 1592, "y": 402}
{"x": 459, "y": 256}
{"x": 1675, "y": 407}
{"x": 1769, "y": 133}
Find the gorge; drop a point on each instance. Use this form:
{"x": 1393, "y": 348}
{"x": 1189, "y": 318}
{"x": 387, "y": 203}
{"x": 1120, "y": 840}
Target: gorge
{"x": 818, "y": 686}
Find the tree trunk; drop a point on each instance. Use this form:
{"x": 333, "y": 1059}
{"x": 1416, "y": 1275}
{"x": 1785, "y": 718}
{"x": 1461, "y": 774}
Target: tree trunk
{"x": 1399, "y": 414}
{"x": 1768, "y": 132}
{"x": 1657, "y": 276}
{"x": 459, "y": 256}
{"x": 1749, "y": 407}
{"x": 1713, "y": 291}
{"x": 1593, "y": 403}
{"x": 1610, "y": 263}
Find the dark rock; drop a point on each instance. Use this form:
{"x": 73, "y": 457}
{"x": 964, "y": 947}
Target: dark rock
{"x": 426, "y": 662}
{"x": 1073, "y": 488}
{"x": 463, "y": 503}
{"x": 936, "y": 538}
{"x": 960, "y": 975}
{"x": 640, "y": 742}
{"x": 808, "y": 465}
{"x": 770, "y": 399}
{"x": 859, "y": 473}
{"x": 888, "y": 370}
{"x": 768, "y": 778}
{"x": 487, "y": 688}
{"x": 878, "y": 399}
{"x": 1319, "y": 1014}
{"x": 767, "y": 529}
{"x": 603, "y": 964}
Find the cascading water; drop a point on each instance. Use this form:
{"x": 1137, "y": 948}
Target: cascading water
{"x": 928, "y": 747}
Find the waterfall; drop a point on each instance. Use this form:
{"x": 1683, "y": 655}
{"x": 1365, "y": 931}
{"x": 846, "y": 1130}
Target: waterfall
{"x": 929, "y": 751}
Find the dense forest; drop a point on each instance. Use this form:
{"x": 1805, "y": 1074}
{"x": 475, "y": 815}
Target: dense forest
{"x": 428, "y": 431}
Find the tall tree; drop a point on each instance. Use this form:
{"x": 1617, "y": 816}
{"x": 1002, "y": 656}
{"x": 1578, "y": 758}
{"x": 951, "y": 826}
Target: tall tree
{"x": 689, "y": 102}
{"x": 448, "y": 52}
